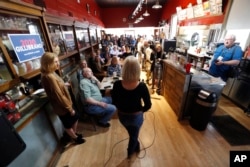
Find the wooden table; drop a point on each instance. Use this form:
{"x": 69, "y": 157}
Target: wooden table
{"x": 107, "y": 82}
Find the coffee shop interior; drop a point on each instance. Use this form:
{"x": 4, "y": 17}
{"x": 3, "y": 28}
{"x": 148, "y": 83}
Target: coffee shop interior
{"x": 195, "y": 119}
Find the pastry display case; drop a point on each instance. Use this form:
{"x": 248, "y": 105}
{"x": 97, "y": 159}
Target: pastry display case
{"x": 18, "y": 60}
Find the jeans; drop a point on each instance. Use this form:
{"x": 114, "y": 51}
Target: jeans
{"x": 105, "y": 113}
{"x": 132, "y": 123}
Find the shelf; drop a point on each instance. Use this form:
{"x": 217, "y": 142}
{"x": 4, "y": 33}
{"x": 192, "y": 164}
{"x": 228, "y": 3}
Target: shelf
{"x": 67, "y": 55}
{"x": 14, "y": 30}
{"x": 84, "y": 48}
{"x": 205, "y": 20}
{"x": 30, "y": 74}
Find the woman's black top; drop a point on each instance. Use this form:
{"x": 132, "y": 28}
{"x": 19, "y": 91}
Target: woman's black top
{"x": 131, "y": 101}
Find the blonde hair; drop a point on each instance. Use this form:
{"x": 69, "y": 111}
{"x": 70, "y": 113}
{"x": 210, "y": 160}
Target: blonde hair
{"x": 131, "y": 69}
{"x": 47, "y": 62}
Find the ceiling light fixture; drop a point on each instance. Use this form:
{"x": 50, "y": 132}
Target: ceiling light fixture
{"x": 146, "y": 12}
{"x": 138, "y": 8}
{"x": 157, "y": 5}
{"x": 140, "y": 18}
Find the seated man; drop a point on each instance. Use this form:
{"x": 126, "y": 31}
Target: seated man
{"x": 114, "y": 67}
{"x": 93, "y": 100}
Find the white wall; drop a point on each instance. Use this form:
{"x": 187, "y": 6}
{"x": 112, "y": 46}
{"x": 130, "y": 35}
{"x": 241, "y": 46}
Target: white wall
{"x": 148, "y": 31}
{"x": 238, "y": 22}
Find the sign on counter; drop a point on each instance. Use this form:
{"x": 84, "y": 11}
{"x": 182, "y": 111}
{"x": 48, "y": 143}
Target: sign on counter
{"x": 26, "y": 46}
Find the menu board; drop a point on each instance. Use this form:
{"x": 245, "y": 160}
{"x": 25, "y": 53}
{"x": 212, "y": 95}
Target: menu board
{"x": 198, "y": 10}
{"x": 190, "y": 13}
{"x": 215, "y": 7}
{"x": 206, "y": 8}
{"x": 183, "y": 14}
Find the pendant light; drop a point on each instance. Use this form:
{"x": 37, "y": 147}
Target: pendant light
{"x": 146, "y": 12}
{"x": 157, "y": 5}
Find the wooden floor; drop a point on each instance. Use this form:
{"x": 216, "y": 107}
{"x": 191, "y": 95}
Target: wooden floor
{"x": 164, "y": 140}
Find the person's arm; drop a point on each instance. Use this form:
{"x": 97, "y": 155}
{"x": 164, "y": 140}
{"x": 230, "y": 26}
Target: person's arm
{"x": 236, "y": 57}
{"x": 229, "y": 62}
{"x": 97, "y": 82}
{"x": 146, "y": 98}
{"x": 55, "y": 91}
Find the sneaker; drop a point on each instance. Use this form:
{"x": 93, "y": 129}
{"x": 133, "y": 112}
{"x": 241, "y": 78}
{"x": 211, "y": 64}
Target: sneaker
{"x": 79, "y": 140}
{"x": 104, "y": 125}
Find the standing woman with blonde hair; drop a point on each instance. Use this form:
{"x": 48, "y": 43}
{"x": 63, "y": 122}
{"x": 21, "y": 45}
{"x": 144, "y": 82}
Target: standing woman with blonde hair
{"x": 59, "y": 96}
{"x": 132, "y": 99}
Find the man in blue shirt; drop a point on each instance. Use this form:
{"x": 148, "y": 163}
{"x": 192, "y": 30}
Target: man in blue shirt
{"x": 225, "y": 56}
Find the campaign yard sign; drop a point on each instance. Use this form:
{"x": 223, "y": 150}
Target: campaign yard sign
{"x": 26, "y": 46}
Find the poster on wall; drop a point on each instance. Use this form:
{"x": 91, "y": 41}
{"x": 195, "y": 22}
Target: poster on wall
{"x": 190, "y": 13}
{"x": 198, "y": 10}
{"x": 206, "y": 8}
{"x": 26, "y": 46}
{"x": 183, "y": 14}
{"x": 215, "y": 7}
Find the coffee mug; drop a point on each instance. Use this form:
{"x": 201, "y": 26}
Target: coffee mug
{"x": 114, "y": 74}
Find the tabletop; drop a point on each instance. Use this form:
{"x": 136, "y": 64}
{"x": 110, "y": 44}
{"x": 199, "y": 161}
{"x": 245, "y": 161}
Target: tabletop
{"x": 107, "y": 82}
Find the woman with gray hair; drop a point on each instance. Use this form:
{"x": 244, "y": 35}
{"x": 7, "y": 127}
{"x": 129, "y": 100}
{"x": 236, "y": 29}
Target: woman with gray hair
{"x": 132, "y": 99}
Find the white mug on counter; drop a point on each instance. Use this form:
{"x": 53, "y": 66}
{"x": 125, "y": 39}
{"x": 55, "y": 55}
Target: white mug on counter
{"x": 114, "y": 74}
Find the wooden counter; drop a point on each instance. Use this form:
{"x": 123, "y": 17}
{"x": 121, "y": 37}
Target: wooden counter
{"x": 181, "y": 89}
{"x": 40, "y": 129}
{"x": 175, "y": 83}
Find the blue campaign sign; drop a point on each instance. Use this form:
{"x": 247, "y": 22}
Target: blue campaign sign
{"x": 26, "y": 46}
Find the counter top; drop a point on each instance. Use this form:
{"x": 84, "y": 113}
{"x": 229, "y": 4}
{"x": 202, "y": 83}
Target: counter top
{"x": 176, "y": 65}
{"x": 199, "y": 54}
{"x": 199, "y": 77}
{"x": 32, "y": 106}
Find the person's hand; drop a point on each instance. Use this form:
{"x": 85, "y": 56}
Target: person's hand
{"x": 219, "y": 62}
{"x": 93, "y": 78}
{"x": 102, "y": 104}
{"x": 72, "y": 113}
{"x": 67, "y": 84}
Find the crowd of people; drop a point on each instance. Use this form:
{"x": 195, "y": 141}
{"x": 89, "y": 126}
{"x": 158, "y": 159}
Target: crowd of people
{"x": 130, "y": 97}
{"x": 100, "y": 63}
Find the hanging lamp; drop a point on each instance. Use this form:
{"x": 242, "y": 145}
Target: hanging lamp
{"x": 157, "y": 5}
{"x": 146, "y": 12}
